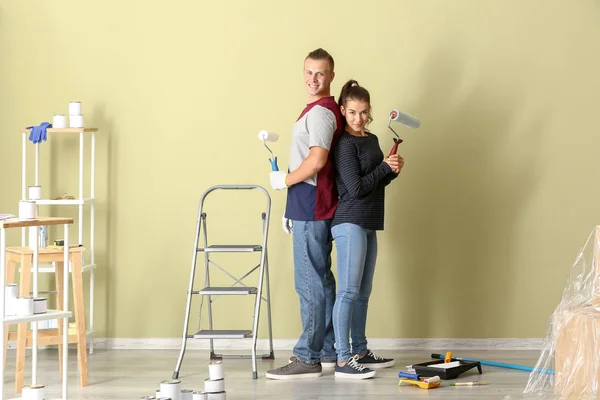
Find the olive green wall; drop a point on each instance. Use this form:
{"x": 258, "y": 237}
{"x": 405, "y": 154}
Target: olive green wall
{"x": 498, "y": 193}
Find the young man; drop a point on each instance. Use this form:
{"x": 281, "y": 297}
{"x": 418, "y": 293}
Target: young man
{"x": 311, "y": 201}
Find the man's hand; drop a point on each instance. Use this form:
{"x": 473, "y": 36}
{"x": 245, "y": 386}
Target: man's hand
{"x": 278, "y": 180}
{"x": 287, "y": 225}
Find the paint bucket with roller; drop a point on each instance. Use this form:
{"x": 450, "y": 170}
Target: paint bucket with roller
{"x": 403, "y": 119}
{"x": 267, "y": 136}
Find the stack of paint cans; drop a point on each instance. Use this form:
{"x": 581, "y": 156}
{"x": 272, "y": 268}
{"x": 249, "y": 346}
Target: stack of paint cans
{"x": 171, "y": 390}
{"x": 75, "y": 116}
{"x": 214, "y": 386}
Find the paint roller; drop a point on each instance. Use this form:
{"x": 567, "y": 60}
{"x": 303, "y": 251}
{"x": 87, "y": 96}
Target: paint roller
{"x": 267, "y": 136}
{"x": 403, "y": 119}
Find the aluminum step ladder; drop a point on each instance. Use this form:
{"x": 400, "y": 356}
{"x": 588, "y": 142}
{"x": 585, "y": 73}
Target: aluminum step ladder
{"x": 238, "y": 288}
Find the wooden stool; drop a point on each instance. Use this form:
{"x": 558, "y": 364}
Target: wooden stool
{"x": 24, "y": 256}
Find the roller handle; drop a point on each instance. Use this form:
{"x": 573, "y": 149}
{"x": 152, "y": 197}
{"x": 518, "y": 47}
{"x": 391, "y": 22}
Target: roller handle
{"x": 494, "y": 364}
{"x": 407, "y": 375}
{"x": 443, "y": 356}
{"x": 395, "y": 147}
{"x": 274, "y": 166}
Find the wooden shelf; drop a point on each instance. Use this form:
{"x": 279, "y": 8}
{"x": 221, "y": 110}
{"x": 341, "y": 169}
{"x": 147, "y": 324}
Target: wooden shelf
{"x": 26, "y": 250}
{"x": 64, "y": 130}
{"x": 40, "y": 221}
{"x": 49, "y": 268}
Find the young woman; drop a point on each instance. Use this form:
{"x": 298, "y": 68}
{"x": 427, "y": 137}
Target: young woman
{"x": 362, "y": 172}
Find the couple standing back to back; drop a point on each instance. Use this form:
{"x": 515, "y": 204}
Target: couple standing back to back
{"x": 335, "y": 190}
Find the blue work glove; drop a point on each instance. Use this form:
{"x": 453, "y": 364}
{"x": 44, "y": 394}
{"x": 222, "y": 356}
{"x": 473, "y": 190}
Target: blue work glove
{"x": 33, "y": 133}
{"x": 43, "y": 134}
{"x": 38, "y": 132}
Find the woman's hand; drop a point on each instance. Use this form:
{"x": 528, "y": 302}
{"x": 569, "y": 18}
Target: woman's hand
{"x": 395, "y": 162}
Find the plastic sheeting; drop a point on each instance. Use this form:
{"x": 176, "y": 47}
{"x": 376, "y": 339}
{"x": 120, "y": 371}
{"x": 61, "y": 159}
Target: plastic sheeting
{"x": 569, "y": 363}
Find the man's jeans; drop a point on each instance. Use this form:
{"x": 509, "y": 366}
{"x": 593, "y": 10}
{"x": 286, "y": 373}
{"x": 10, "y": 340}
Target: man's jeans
{"x": 356, "y": 256}
{"x": 315, "y": 284}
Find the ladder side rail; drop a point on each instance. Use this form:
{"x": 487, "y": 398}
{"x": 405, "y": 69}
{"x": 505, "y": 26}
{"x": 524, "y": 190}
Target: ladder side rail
{"x": 189, "y": 294}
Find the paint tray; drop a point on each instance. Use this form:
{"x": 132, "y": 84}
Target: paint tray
{"x": 428, "y": 368}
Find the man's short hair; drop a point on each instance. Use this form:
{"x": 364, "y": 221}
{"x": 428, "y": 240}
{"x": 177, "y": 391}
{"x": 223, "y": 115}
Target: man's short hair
{"x": 321, "y": 54}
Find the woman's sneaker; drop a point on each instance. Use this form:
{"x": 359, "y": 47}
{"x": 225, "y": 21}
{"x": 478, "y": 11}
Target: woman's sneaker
{"x": 370, "y": 360}
{"x": 353, "y": 370}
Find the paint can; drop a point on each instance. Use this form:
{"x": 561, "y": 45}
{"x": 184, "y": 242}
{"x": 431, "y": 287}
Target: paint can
{"x": 27, "y": 209}
{"x": 171, "y": 388}
{"x": 10, "y": 298}
{"x": 75, "y": 108}
{"x": 187, "y": 394}
{"x": 40, "y": 305}
{"x": 24, "y": 306}
{"x": 200, "y": 396}
{"x": 35, "y": 192}
{"x": 34, "y": 392}
{"x": 76, "y": 121}
{"x": 214, "y": 386}
{"x": 215, "y": 371}
{"x": 59, "y": 121}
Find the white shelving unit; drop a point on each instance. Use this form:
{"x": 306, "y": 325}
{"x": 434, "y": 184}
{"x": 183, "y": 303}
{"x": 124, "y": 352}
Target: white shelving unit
{"x": 50, "y": 314}
{"x": 89, "y": 263}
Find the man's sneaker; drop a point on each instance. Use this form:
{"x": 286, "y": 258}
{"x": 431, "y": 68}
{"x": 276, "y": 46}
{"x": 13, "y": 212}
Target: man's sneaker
{"x": 353, "y": 370}
{"x": 326, "y": 364}
{"x": 295, "y": 370}
{"x": 370, "y": 360}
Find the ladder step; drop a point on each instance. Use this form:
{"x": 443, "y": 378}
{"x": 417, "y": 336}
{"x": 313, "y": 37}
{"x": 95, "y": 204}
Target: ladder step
{"x": 233, "y": 248}
{"x": 221, "y": 334}
{"x": 228, "y": 290}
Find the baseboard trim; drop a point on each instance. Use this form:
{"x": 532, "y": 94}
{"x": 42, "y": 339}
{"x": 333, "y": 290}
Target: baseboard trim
{"x": 288, "y": 344}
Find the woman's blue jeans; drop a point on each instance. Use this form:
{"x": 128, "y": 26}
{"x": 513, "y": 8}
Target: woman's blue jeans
{"x": 356, "y": 257}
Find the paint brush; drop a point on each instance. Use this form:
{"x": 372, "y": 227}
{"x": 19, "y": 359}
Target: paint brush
{"x": 474, "y": 383}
